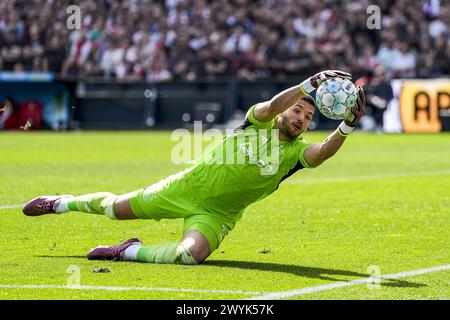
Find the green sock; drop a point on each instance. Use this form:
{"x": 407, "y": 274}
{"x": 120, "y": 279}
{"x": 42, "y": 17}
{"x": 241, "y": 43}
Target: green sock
{"x": 169, "y": 253}
{"x": 96, "y": 203}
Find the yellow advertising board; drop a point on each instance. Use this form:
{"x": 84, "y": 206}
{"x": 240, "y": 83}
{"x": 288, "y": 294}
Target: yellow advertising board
{"x": 424, "y": 105}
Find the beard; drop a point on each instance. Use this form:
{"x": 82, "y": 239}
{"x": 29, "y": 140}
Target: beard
{"x": 287, "y": 129}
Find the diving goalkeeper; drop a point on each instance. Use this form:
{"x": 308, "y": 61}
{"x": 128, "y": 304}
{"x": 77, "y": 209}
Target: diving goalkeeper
{"x": 212, "y": 195}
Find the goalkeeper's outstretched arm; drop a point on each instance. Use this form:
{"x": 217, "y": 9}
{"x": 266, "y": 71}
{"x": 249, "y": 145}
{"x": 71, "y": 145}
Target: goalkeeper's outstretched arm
{"x": 317, "y": 153}
{"x": 267, "y": 110}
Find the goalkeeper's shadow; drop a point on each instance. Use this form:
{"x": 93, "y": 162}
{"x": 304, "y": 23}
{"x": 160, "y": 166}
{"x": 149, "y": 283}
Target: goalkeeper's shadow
{"x": 308, "y": 272}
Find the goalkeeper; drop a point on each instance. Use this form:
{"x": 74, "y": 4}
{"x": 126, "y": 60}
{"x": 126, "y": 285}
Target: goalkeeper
{"x": 212, "y": 195}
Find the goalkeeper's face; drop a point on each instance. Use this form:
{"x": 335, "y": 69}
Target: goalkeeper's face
{"x": 297, "y": 118}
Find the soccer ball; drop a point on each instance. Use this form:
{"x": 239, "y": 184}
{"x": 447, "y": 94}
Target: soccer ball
{"x": 335, "y": 97}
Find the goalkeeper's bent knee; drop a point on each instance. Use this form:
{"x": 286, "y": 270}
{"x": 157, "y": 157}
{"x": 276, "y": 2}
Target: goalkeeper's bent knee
{"x": 185, "y": 255}
{"x": 107, "y": 206}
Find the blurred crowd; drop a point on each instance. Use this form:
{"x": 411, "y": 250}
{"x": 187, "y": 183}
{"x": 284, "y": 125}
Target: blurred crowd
{"x": 192, "y": 39}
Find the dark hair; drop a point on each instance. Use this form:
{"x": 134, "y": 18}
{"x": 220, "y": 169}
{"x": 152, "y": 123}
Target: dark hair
{"x": 309, "y": 100}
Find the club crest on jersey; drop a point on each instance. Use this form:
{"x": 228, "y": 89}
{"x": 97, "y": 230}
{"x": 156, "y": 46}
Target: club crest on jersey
{"x": 266, "y": 157}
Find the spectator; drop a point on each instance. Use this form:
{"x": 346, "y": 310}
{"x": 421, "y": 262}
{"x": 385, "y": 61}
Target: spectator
{"x": 56, "y": 113}
{"x": 9, "y": 115}
{"x": 11, "y": 53}
{"x": 113, "y": 57}
{"x": 238, "y": 42}
{"x": 54, "y": 55}
{"x": 439, "y": 26}
{"x": 158, "y": 69}
{"x": 404, "y": 61}
{"x": 215, "y": 64}
{"x": 385, "y": 55}
{"x": 30, "y": 115}
{"x": 378, "y": 94}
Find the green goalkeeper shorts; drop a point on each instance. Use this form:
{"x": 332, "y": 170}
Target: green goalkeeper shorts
{"x": 171, "y": 198}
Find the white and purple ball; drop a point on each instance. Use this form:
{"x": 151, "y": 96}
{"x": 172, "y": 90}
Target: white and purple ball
{"x": 335, "y": 97}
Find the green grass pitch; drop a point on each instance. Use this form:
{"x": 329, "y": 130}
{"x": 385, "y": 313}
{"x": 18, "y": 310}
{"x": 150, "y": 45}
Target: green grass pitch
{"x": 382, "y": 203}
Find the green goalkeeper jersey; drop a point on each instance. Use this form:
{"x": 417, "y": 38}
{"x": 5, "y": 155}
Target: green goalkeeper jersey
{"x": 244, "y": 167}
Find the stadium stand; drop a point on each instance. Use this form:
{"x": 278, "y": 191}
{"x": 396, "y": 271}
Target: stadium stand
{"x": 253, "y": 40}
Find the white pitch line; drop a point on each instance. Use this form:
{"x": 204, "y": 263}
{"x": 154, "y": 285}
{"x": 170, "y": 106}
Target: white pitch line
{"x": 12, "y": 206}
{"x": 107, "y": 288}
{"x": 369, "y": 177}
{"x": 297, "y": 292}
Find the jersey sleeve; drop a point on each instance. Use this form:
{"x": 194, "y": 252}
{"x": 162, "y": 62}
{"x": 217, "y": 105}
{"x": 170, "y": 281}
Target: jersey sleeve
{"x": 303, "y": 146}
{"x": 250, "y": 117}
